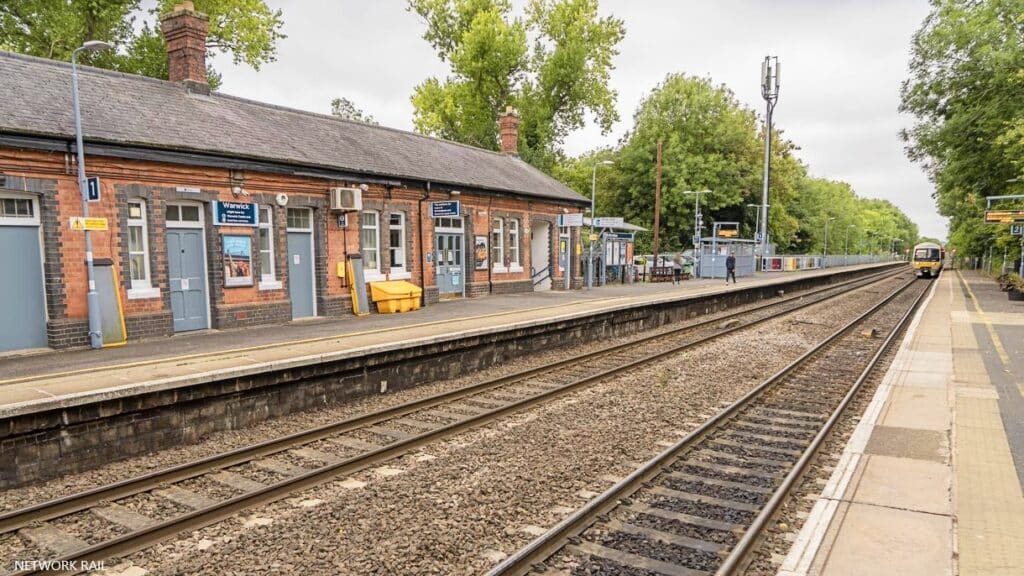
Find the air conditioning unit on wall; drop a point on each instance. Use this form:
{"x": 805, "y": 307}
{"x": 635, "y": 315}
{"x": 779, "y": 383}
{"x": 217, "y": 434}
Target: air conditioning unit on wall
{"x": 346, "y": 199}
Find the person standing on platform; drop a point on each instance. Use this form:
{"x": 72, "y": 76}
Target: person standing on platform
{"x": 730, "y": 267}
{"x": 677, "y": 268}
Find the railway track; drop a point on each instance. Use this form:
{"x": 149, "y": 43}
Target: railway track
{"x": 115, "y": 516}
{"x": 701, "y": 506}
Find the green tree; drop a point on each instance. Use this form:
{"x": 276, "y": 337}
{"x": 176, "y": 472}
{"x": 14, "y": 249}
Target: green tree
{"x": 345, "y": 108}
{"x": 248, "y": 30}
{"x": 552, "y": 64}
{"x": 966, "y": 88}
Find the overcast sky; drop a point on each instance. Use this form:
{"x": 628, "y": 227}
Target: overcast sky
{"x": 842, "y": 64}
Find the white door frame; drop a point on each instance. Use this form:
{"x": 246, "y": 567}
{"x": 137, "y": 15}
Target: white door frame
{"x": 312, "y": 247}
{"x": 202, "y": 226}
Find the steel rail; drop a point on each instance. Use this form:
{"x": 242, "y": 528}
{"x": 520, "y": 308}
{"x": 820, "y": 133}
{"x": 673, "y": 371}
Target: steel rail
{"x": 84, "y": 500}
{"x": 145, "y": 537}
{"x": 740, "y": 555}
{"x": 554, "y": 539}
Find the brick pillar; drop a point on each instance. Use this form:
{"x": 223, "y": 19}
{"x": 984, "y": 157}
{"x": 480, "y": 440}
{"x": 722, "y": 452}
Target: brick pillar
{"x": 185, "y": 33}
{"x": 509, "y": 125}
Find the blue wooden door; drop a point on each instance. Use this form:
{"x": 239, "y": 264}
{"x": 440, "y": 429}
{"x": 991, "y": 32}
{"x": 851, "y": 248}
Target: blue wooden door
{"x": 22, "y": 306}
{"x": 300, "y": 274}
{"x": 449, "y": 258}
{"x": 186, "y": 276}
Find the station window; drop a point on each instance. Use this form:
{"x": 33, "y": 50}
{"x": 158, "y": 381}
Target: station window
{"x": 17, "y": 208}
{"x": 369, "y": 237}
{"x": 498, "y": 244}
{"x": 396, "y": 241}
{"x": 266, "y": 241}
{"x": 513, "y": 244}
{"x": 183, "y": 213}
{"x": 138, "y": 252}
{"x": 299, "y": 218}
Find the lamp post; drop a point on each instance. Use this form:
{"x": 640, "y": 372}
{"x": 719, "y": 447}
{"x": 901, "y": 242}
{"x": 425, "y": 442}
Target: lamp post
{"x": 770, "y": 69}
{"x": 593, "y": 216}
{"x": 846, "y": 243}
{"x": 697, "y": 224}
{"x": 92, "y": 298}
{"x": 824, "y": 252}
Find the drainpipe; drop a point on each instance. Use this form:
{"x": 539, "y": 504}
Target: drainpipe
{"x": 490, "y": 249}
{"x": 423, "y": 247}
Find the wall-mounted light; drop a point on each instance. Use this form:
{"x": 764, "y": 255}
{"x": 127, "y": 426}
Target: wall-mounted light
{"x": 455, "y": 192}
{"x": 237, "y": 191}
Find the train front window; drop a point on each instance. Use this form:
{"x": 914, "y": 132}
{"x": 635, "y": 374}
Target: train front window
{"x": 926, "y": 255}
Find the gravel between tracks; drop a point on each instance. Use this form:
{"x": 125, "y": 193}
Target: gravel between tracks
{"x": 459, "y": 506}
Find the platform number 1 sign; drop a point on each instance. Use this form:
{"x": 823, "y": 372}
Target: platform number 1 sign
{"x": 93, "y": 187}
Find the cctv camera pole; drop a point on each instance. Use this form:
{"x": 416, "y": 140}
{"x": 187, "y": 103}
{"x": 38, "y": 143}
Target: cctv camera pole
{"x": 92, "y": 299}
{"x": 770, "y": 93}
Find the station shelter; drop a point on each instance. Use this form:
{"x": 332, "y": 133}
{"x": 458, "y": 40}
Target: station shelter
{"x": 212, "y": 211}
{"x": 613, "y": 251}
{"x": 714, "y": 250}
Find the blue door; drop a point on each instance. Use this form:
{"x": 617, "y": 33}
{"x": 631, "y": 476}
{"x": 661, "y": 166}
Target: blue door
{"x": 22, "y": 307}
{"x": 448, "y": 256}
{"x": 186, "y": 274}
{"x": 300, "y": 274}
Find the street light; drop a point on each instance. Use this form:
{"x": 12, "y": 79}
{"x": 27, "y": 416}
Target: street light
{"x": 824, "y": 260}
{"x": 770, "y": 72}
{"x": 846, "y": 243}
{"x": 92, "y": 298}
{"x": 697, "y": 225}
{"x": 593, "y": 216}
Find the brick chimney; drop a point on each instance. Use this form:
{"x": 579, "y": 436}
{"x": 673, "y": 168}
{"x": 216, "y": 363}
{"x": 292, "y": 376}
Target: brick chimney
{"x": 185, "y": 35}
{"x": 509, "y": 125}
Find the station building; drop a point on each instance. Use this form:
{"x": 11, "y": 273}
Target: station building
{"x": 222, "y": 212}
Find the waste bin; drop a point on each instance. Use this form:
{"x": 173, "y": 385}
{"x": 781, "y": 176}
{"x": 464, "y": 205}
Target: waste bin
{"x": 396, "y": 296}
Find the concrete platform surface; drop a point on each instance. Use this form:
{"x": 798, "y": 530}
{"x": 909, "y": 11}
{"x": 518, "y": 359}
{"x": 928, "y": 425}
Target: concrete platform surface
{"x": 45, "y": 381}
{"x": 932, "y": 482}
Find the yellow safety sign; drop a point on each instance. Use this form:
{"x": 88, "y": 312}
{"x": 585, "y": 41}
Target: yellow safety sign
{"x": 594, "y": 237}
{"x": 80, "y": 223}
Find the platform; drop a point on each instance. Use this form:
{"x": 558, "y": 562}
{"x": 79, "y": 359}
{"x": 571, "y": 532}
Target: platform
{"x": 55, "y": 379}
{"x": 932, "y": 480}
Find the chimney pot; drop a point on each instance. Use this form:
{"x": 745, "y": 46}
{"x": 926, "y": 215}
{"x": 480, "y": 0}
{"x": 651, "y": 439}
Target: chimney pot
{"x": 185, "y": 32}
{"x": 508, "y": 125}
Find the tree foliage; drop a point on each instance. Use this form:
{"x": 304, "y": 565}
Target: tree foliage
{"x": 345, "y": 108}
{"x": 552, "y": 64}
{"x": 710, "y": 141}
{"x": 966, "y": 89}
{"x": 248, "y": 30}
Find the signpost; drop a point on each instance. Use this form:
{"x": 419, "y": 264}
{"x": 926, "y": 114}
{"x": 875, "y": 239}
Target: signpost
{"x": 1017, "y": 230}
{"x": 81, "y": 224}
{"x": 234, "y": 213}
{"x": 608, "y": 222}
{"x": 1004, "y": 216}
{"x": 93, "y": 185}
{"x": 573, "y": 219}
{"x": 445, "y": 209}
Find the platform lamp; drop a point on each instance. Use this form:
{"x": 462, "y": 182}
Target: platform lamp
{"x": 824, "y": 251}
{"x": 846, "y": 244}
{"x": 92, "y": 299}
{"x": 593, "y": 215}
{"x": 698, "y": 224}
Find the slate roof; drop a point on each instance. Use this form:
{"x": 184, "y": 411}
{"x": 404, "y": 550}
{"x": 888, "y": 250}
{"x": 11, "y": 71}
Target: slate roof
{"x": 35, "y": 99}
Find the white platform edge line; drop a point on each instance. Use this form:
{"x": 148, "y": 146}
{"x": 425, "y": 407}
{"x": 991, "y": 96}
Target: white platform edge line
{"x": 805, "y": 548}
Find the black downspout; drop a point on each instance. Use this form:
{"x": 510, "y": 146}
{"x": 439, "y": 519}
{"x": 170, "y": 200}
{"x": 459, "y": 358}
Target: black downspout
{"x": 490, "y": 265}
{"x": 423, "y": 247}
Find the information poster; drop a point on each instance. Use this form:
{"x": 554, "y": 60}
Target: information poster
{"x": 237, "y": 260}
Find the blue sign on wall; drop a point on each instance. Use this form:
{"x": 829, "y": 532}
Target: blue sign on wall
{"x": 234, "y": 213}
{"x": 446, "y": 208}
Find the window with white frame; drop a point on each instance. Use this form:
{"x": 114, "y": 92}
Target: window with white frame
{"x": 18, "y": 210}
{"x": 498, "y": 243}
{"x": 369, "y": 237}
{"x": 513, "y": 245}
{"x": 138, "y": 252}
{"x": 396, "y": 241}
{"x": 268, "y": 272}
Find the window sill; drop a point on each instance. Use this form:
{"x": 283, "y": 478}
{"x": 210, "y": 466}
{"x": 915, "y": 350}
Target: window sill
{"x": 507, "y": 269}
{"x": 143, "y": 293}
{"x": 373, "y": 276}
{"x": 270, "y": 285}
{"x": 499, "y": 270}
{"x": 401, "y": 275}
{"x": 515, "y": 268}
